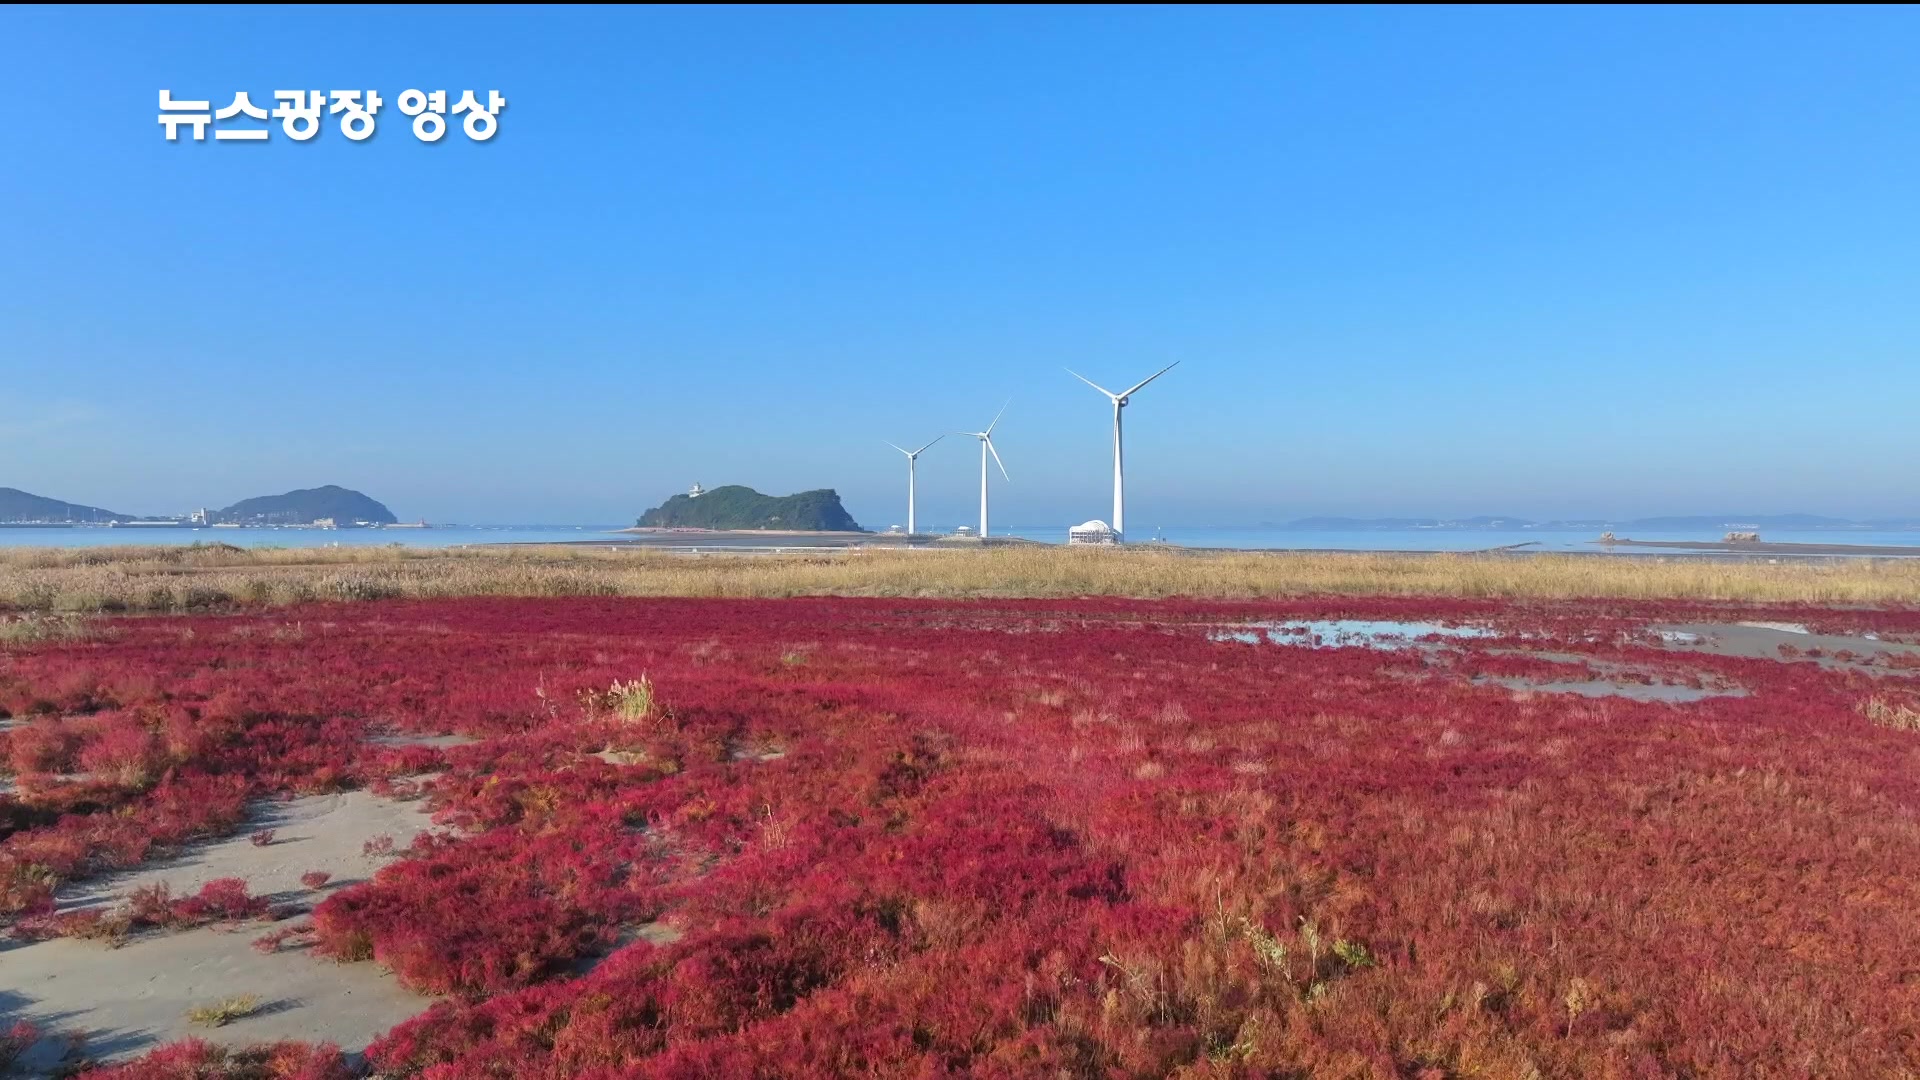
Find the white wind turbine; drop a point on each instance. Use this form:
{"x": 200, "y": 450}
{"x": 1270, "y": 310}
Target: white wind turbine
{"x": 912, "y": 456}
{"x": 986, "y": 447}
{"x": 1119, "y": 471}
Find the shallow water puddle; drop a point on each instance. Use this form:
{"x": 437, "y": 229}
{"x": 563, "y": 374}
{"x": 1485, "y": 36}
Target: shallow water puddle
{"x": 1338, "y": 633}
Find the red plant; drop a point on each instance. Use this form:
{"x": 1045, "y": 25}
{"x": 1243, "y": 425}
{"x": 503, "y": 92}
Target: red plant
{"x": 194, "y": 1059}
{"x": 16, "y": 1041}
{"x": 44, "y": 745}
{"x": 263, "y": 838}
{"x": 315, "y": 879}
{"x": 271, "y": 941}
{"x": 1007, "y": 838}
{"x": 125, "y": 750}
{"x": 220, "y": 900}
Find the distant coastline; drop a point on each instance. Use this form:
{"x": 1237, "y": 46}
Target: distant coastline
{"x": 323, "y": 507}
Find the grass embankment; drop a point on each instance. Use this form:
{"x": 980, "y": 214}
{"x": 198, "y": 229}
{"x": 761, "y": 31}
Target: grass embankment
{"x": 209, "y": 578}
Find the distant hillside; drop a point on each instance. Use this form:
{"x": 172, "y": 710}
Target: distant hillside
{"x": 1757, "y": 521}
{"x": 736, "y": 507}
{"x": 17, "y": 505}
{"x": 307, "y": 505}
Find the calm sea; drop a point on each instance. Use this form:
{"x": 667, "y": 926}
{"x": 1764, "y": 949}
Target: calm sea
{"x": 439, "y": 536}
{"x": 1192, "y": 536}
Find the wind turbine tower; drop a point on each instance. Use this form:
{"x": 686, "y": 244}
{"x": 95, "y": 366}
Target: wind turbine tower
{"x": 1119, "y": 457}
{"x": 912, "y": 456}
{"x": 986, "y": 447}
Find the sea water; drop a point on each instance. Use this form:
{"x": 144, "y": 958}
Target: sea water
{"x": 437, "y": 536}
{"x": 1239, "y": 537}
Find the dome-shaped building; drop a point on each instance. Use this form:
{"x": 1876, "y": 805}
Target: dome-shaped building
{"x": 1092, "y": 532}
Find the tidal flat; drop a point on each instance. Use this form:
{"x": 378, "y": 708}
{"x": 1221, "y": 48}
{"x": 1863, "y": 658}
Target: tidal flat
{"x": 821, "y": 836}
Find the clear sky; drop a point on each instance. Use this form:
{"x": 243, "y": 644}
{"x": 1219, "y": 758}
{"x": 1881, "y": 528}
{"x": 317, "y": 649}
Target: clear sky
{"x": 1535, "y": 262}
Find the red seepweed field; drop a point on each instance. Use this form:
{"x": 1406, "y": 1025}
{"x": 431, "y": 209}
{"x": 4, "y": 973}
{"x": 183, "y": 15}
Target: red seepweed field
{"x": 1101, "y": 838}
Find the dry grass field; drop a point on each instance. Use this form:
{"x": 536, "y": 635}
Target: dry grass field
{"x": 177, "y": 579}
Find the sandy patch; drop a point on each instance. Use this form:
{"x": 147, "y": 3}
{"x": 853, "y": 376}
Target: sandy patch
{"x": 1671, "y": 693}
{"x": 129, "y": 999}
{"x": 315, "y": 832}
{"x": 439, "y": 742}
{"x": 1607, "y": 679}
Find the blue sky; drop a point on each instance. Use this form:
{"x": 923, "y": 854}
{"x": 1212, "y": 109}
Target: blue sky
{"x": 1536, "y": 262}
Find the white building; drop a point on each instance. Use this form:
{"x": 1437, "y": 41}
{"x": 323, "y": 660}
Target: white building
{"x": 1092, "y": 532}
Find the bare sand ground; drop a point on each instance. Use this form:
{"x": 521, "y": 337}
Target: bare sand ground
{"x": 126, "y": 1000}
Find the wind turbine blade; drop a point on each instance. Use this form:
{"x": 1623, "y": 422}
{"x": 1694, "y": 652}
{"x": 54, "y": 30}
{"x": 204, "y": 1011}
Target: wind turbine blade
{"x": 1090, "y": 382}
{"x": 923, "y": 449}
{"x": 996, "y": 418}
{"x": 1151, "y": 377}
{"x": 902, "y": 449}
{"x": 996, "y": 458}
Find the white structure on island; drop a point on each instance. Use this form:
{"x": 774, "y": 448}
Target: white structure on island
{"x": 986, "y": 447}
{"x": 696, "y": 491}
{"x": 912, "y": 456}
{"x": 1119, "y": 473}
{"x": 1092, "y": 532}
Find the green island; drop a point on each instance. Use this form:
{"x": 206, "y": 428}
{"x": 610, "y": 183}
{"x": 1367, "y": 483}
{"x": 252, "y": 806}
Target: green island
{"x": 739, "y": 507}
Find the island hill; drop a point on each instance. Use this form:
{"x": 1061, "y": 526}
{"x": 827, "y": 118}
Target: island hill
{"x": 343, "y": 506}
{"x": 332, "y": 502}
{"x": 738, "y": 508}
